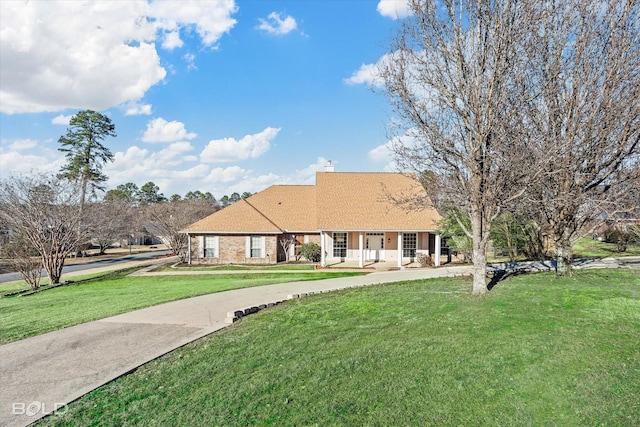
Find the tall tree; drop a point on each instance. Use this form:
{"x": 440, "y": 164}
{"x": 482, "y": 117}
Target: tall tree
{"x": 450, "y": 78}
{"x": 150, "y": 193}
{"x": 583, "y": 116}
{"x": 85, "y": 152}
{"x": 124, "y": 193}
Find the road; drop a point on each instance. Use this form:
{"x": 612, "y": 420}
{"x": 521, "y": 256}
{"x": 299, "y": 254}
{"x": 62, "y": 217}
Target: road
{"x": 10, "y": 277}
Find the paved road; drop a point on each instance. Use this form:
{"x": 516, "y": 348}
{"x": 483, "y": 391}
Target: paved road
{"x": 10, "y": 277}
{"x": 41, "y": 373}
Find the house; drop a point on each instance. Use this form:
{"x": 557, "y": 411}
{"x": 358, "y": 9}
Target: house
{"x": 352, "y": 216}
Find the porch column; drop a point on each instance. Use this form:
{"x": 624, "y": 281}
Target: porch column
{"x": 437, "y": 250}
{"x": 361, "y": 249}
{"x": 323, "y": 259}
{"x": 399, "y": 249}
{"x": 188, "y": 249}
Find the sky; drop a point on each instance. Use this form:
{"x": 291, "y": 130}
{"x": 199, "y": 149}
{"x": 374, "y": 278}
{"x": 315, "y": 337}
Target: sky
{"x": 219, "y": 96}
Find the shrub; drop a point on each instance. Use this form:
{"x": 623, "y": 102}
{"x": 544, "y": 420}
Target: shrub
{"x": 425, "y": 260}
{"x": 310, "y": 251}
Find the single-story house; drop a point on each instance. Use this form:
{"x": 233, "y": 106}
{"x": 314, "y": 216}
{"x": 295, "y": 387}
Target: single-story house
{"x": 352, "y": 216}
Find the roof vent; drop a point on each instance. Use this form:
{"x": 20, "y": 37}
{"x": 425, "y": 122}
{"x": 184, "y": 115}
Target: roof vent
{"x": 328, "y": 167}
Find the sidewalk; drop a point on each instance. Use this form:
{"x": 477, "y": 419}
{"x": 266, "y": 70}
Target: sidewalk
{"x": 42, "y": 373}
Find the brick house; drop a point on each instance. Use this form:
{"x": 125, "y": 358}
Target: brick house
{"x": 352, "y": 216}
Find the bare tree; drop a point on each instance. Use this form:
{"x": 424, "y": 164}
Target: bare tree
{"x": 24, "y": 259}
{"x": 111, "y": 221}
{"x": 287, "y": 242}
{"x": 45, "y": 212}
{"x": 583, "y": 116}
{"x": 451, "y": 77}
{"x": 166, "y": 219}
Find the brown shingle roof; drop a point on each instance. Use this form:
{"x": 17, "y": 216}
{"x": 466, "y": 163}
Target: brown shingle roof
{"x": 365, "y": 201}
{"x": 338, "y": 201}
{"x": 238, "y": 217}
{"x": 291, "y": 207}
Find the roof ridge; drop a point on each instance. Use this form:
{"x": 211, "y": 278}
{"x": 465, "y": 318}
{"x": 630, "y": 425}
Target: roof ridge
{"x": 263, "y": 215}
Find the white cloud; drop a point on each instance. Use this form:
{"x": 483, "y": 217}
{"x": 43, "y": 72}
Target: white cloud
{"x": 23, "y": 144}
{"x": 136, "y": 109}
{"x": 159, "y": 130}
{"x": 382, "y": 153}
{"x": 211, "y": 19}
{"x": 366, "y": 74}
{"x": 276, "y": 24}
{"x": 230, "y": 149}
{"x": 173, "y": 154}
{"x": 172, "y": 40}
{"x": 394, "y": 9}
{"x": 61, "y": 120}
{"x": 14, "y": 162}
{"x": 94, "y": 55}
{"x": 190, "y": 59}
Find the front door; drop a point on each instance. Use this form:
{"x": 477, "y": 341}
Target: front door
{"x": 374, "y": 247}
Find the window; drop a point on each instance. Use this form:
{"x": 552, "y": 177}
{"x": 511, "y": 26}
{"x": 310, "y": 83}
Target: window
{"x": 210, "y": 246}
{"x": 340, "y": 245}
{"x": 256, "y": 246}
{"x": 409, "y": 245}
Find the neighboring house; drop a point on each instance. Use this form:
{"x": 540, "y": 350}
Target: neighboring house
{"x": 352, "y": 216}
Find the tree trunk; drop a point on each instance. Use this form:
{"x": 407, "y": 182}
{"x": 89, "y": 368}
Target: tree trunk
{"x": 564, "y": 256}
{"x": 53, "y": 264}
{"x": 479, "y": 255}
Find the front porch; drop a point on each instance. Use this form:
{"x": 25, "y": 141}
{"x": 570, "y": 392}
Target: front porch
{"x": 389, "y": 249}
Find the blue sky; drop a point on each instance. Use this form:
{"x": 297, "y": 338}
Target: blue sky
{"x": 216, "y": 96}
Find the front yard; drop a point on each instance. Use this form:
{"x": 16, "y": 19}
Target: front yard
{"x": 537, "y": 350}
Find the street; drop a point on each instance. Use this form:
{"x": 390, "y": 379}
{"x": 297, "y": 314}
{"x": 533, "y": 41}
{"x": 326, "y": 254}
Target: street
{"x": 10, "y": 277}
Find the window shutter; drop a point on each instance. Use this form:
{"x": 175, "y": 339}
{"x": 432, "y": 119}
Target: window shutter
{"x": 263, "y": 245}
{"x": 247, "y": 248}
{"x": 216, "y": 242}
{"x": 200, "y": 246}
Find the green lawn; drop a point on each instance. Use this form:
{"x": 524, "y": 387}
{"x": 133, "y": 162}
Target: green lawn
{"x": 114, "y": 293}
{"x": 590, "y": 248}
{"x": 276, "y": 267}
{"x": 536, "y": 351}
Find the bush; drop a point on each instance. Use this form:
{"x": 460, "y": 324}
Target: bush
{"x": 425, "y": 260}
{"x": 310, "y": 251}
{"x": 620, "y": 237}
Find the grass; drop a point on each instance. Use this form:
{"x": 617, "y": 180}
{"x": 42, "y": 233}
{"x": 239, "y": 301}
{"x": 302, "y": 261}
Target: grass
{"x": 277, "y": 267}
{"x": 114, "y": 293}
{"x": 537, "y": 350}
{"x": 590, "y": 248}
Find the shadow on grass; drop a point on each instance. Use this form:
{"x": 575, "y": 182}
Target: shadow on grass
{"x": 108, "y": 275}
{"x": 500, "y": 275}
